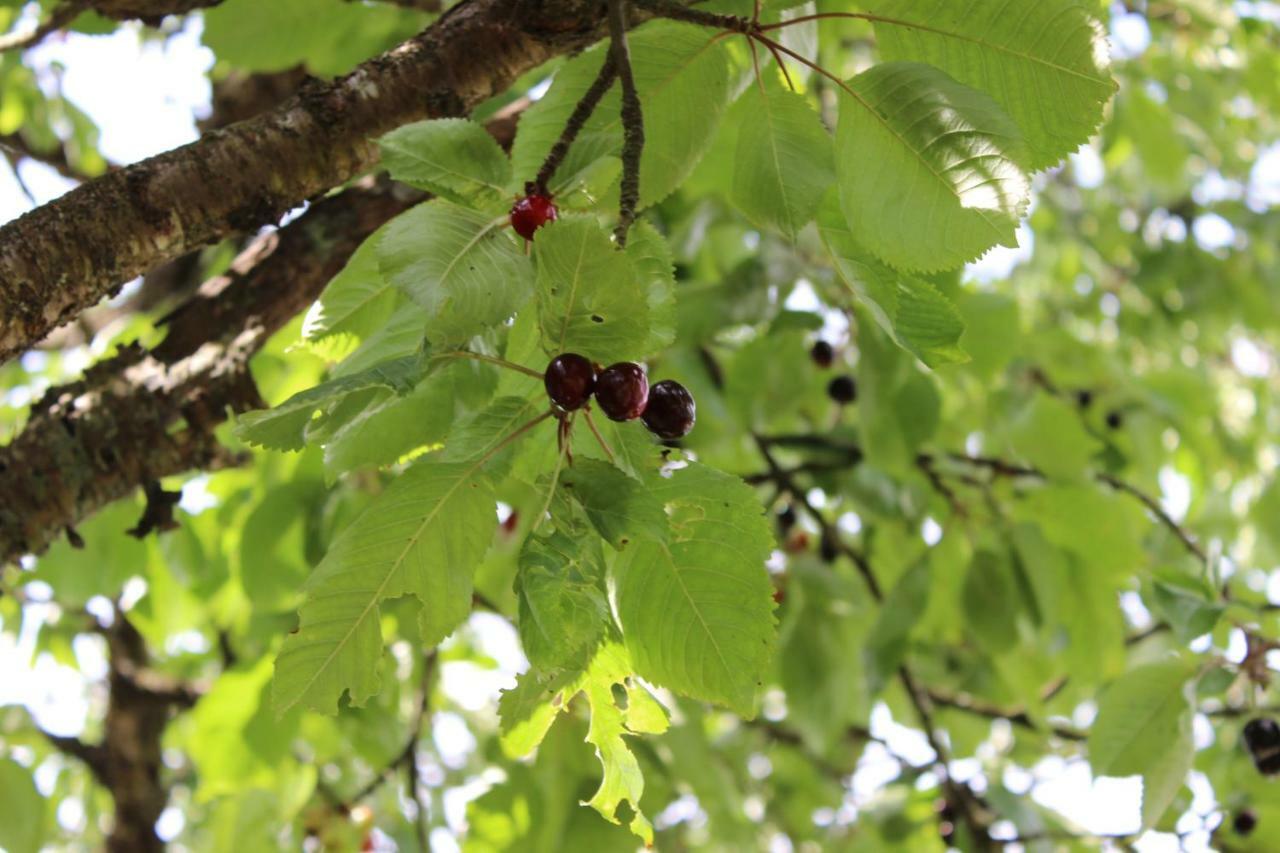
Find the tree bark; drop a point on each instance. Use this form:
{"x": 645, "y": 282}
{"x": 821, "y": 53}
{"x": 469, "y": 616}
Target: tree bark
{"x": 139, "y": 416}
{"x": 63, "y": 257}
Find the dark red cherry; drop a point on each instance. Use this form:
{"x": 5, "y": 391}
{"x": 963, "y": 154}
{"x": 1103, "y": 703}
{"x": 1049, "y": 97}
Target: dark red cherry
{"x": 1262, "y": 737}
{"x": 531, "y": 213}
{"x": 842, "y": 389}
{"x": 570, "y": 378}
{"x": 1115, "y": 420}
{"x": 786, "y": 518}
{"x": 823, "y": 354}
{"x": 622, "y": 390}
{"x": 670, "y": 412}
{"x": 1244, "y": 822}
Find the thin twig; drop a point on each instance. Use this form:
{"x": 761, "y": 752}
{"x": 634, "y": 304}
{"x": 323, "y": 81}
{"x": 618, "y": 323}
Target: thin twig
{"x": 61, "y": 16}
{"x": 604, "y": 445}
{"x": 676, "y": 12}
{"x": 632, "y": 120}
{"x": 577, "y": 120}
{"x": 491, "y": 359}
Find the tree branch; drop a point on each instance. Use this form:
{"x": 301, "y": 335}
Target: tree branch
{"x": 63, "y": 257}
{"x": 59, "y": 18}
{"x": 632, "y": 119}
{"x": 96, "y": 440}
{"x": 141, "y": 416}
{"x": 577, "y": 119}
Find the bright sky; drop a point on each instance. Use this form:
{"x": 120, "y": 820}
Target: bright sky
{"x": 145, "y": 96}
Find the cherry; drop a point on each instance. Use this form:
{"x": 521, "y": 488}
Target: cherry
{"x": 1244, "y": 822}
{"x": 842, "y": 389}
{"x": 786, "y": 518}
{"x": 828, "y": 547}
{"x": 1114, "y": 420}
{"x": 823, "y": 354}
{"x": 670, "y": 412}
{"x": 1262, "y": 737}
{"x": 1084, "y": 398}
{"x": 570, "y": 378}
{"x": 622, "y": 390}
{"x": 531, "y": 213}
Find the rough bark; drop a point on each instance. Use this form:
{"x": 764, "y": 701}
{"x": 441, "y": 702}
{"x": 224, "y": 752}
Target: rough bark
{"x": 63, "y": 257}
{"x": 140, "y": 416}
{"x": 147, "y": 10}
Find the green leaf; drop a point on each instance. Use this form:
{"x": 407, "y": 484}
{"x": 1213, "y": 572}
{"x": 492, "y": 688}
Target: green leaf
{"x": 930, "y": 170}
{"x": 784, "y": 163}
{"x": 1144, "y": 728}
{"x": 423, "y": 536}
{"x": 464, "y": 268}
{"x": 651, "y": 264}
{"x": 683, "y": 83}
{"x": 22, "y": 809}
{"x": 356, "y": 302}
{"x": 1048, "y": 434}
{"x": 1044, "y": 61}
{"x": 283, "y": 427}
{"x": 903, "y": 606}
{"x": 479, "y": 435}
{"x": 910, "y": 309}
{"x": 528, "y": 711}
{"x": 589, "y": 300}
{"x": 451, "y": 157}
{"x": 563, "y": 611}
{"x": 707, "y": 586}
{"x": 990, "y": 600}
{"x": 619, "y": 507}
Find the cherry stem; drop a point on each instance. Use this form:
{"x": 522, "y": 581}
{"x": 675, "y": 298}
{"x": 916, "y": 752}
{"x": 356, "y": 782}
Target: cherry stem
{"x": 491, "y": 359}
{"x": 577, "y": 120}
{"x": 604, "y": 445}
{"x": 632, "y": 120}
{"x": 555, "y": 474}
{"x": 773, "y": 45}
{"x": 861, "y": 16}
{"x": 773, "y": 49}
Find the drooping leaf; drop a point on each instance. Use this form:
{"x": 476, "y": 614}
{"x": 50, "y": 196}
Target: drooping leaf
{"x": 589, "y": 300}
{"x": 355, "y": 303}
{"x": 423, "y": 536}
{"x": 1144, "y": 728}
{"x": 450, "y": 157}
{"x": 563, "y": 611}
{"x": 910, "y": 309}
{"x": 1049, "y": 435}
{"x": 282, "y": 427}
{"x": 463, "y": 267}
{"x": 931, "y": 172}
{"x": 529, "y": 710}
{"x": 1044, "y": 61}
{"x": 784, "y": 163}
{"x": 706, "y": 586}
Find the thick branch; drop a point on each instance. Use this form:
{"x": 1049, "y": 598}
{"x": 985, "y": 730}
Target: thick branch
{"x": 143, "y": 416}
{"x": 63, "y": 257}
{"x": 96, "y": 440}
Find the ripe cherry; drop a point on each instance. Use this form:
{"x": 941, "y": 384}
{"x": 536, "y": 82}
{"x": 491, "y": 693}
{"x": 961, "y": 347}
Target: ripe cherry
{"x": 828, "y": 547}
{"x": 823, "y": 354}
{"x": 1262, "y": 737}
{"x": 570, "y": 378}
{"x": 670, "y": 412}
{"x": 786, "y": 518}
{"x": 622, "y": 390}
{"x": 1115, "y": 420}
{"x": 531, "y": 213}
{"x": 842, "y": 389}
{"x": 1084, "y": 398}
{"x": 1244, "y": 822}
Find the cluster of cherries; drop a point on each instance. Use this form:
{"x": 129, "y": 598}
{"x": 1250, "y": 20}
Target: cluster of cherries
{"x": 622, "y": 392}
